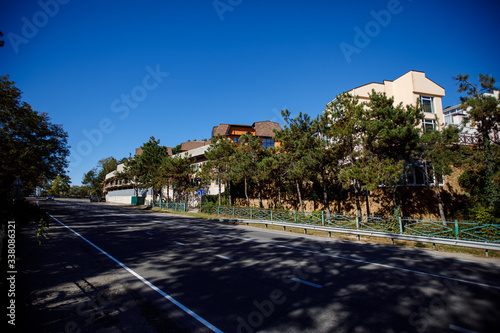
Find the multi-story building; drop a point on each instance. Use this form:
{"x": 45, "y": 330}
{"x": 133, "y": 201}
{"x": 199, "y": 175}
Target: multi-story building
{"x": 456, "y": 116}
{"x": 407, "y": 89}
{"x": 121, "y": 191}
{"x": 262, "y": 129}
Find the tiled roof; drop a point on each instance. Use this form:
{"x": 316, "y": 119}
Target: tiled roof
{"x": 185, "y": 146}
{"x": 138, "y": 151}
{"x": 265, "y": 128}
{"x": 220, "y": 130}
{"x": 262, "y": 128}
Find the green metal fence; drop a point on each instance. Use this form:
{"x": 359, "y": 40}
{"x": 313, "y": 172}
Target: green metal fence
{"x": 460, "y": 230}
{"x": 175, "y": 206}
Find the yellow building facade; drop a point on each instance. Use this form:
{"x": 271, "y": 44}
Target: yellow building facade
{"x": 407, "y": 89}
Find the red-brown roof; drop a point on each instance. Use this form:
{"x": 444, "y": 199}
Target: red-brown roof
{"x": 138, "y": 151}
{"x": 265, "y": 128}
{"x": 185, "y": 146}
{"x": 262, "y": 128}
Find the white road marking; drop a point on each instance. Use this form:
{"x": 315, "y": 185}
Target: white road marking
{"x": 307, "y": 283}
{"x": 335, "y": 256}
{"x": 179, "y": 243}
{"x": 149, "y": 233}
{"x": 146, "y": 282}
{"x": 223, "y": 257}
{"x": 355, "y": 260}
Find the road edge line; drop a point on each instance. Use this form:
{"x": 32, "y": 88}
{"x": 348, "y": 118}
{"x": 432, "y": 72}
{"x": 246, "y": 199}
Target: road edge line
{"x": 145, "y": 281}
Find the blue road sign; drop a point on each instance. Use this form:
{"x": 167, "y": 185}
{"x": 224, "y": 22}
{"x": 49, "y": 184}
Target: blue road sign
{"x": 201, "y": 192}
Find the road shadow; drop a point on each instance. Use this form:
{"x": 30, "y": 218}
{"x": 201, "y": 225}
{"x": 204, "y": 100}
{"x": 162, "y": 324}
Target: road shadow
{"x": 244, "y": 279}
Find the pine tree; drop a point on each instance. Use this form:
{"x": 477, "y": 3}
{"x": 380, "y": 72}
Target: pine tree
{"x": 342, "y": 120}
{"x": 483, "y": 110}
{"x": 176, "y": 172}
{"x": 298, "y": 142}
{"x": 390, "y": 136}
{"x": 246, "y": 162}
{"x": 439, "y": 148}
{"x": 219, "y": 163}
{"x": 148, "y": 166}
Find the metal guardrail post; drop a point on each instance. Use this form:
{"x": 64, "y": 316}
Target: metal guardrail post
{"x": 456, "y": 229}
{"x": 295, "y": 216}
{"x": 233, "y": 210}
{"x": 357, "y": 222}
{"x": 400, "y": 225}
{"x": 218, "y": 210}
{"x": 271, "y": 214}
{"x": 251, "y": 215}
{"x": 322, "y": 217}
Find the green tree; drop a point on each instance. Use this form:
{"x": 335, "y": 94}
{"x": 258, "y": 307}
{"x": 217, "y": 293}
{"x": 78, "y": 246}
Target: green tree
{"x": 148, "y": 166}
{"x": 272, "y": 171}
{"x": 390, "y": 136}
{"x": 94, "y": 179}
{"x": 32, "y": 148}
{"x": 91, "y": 181}
{"x": 106, "y": 165}
{"x": 130, "y": 173}
{"x": 439, "y": 148}
{"x": 342, "y": 125}
{"x": 76, "y": 191}
{"x": 373, "y": 141}
{"x": 177, "y": 173}
{"x": 60, "y": 185}
{"x": 482, "y": 176}
{"x": 245, "y": 161}
{"x": 219, "y": 163}
{"x": 298, "y": 142}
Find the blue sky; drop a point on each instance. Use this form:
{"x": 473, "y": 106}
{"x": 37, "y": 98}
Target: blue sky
{"x": 114, "y": 73}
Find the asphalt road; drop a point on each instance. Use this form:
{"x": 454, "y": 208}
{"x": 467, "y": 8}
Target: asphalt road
{"x": 217, "y": 277}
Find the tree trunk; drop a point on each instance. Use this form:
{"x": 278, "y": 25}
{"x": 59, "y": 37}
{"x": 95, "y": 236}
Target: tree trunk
{"x": 440, "y": 202}
{"x": 260, "y": 195}
{"x": 220, "y": 199}
{"x": 367, "y": 204}
{"x": 229, "y": 192}
{"x": 279, "y": 193}
{"x": 357, "y": 193}
{"x": 246, "y": 193}
{"x": 299, "y": 196}
{"x": 326, "y": 203}
{"x": 396, "y": 203}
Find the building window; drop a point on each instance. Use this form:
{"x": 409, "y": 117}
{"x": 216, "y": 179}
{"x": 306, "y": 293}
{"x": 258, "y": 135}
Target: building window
{"x": 267, "y": 143}
{"x": 427, "y": 104}
{"x": 429, "y": 124}
{"x": 448, "y": 116}
{"x": 420, "y": 173}
{"x": 196, "y": 181}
